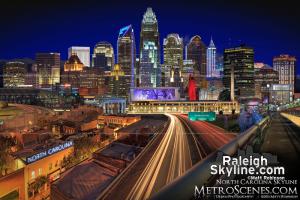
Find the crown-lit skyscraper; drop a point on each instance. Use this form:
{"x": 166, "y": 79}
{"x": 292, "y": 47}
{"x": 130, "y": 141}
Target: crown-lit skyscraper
{"x": 149, "y": 68}
{"x": 211, "y": 71}
{"x": 103, "y": 56}
{"x": 127, "y": 54}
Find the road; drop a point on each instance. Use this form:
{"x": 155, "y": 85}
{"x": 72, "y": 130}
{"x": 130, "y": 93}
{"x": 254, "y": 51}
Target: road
{"x": 184, "y": 144}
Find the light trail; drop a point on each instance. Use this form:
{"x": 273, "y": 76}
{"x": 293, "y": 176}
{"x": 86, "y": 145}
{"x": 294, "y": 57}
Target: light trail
{"x": 173, "y": 157}
{"x": 170, "y": 160}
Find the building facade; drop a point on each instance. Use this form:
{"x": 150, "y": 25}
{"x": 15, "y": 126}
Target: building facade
{"x": 48, "y": 69}
{"x": 72, "y": 68}
{"x": 92, "y": 82}
{"x": 264, "y": 77}
{"x": 149, "y": 67}
{"x": 117, "y": 82}
{"x": 241, "y": 61}
{"x": 173, "y": 61}
{"x": 73, "y": 63}
{"x": 281, "y": 94}
{"x": 211, "y": 71}
{"x": 103, "y": 56}
{"x": 31, "y": 166}
{"x": 14, "y": 74}
{"x": 196, "y": 51}
{"x": 83, "y": 54}
{"x": 285, "y": 65}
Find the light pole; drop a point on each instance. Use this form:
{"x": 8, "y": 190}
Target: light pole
{"x": 268, "y": 86}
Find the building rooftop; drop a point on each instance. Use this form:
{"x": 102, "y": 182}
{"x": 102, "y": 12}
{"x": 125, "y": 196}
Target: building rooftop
{"x": 74, "y": 59}
{"x": 84, "y": 181}
{"x": 120, "y": 151}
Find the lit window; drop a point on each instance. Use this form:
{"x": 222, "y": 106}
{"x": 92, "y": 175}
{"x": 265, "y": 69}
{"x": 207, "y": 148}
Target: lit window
{"x": 32, "y": 174}
{"x": 40, "y": 171}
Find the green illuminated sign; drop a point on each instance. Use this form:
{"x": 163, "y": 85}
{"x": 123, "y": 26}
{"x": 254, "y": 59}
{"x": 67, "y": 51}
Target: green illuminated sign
{"x": 202, "y": 116}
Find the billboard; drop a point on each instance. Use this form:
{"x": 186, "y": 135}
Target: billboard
{"x": 155, "y": 94}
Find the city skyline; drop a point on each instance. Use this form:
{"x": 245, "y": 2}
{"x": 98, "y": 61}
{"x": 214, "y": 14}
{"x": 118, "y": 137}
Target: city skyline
{"x": 136, "y": 99}
{"x": 210, "y": 25}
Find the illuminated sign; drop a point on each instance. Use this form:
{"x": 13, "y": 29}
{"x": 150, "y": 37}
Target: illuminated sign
{"x": 48, "y": 152}
{"x": 202, "y": 116}
{"x": 155, "y": 94}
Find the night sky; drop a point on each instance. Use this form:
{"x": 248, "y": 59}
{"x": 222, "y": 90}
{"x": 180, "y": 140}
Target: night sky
{"x": 27, "y": 27}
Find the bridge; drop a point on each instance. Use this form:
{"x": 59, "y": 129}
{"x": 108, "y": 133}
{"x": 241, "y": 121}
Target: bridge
{"x": 182, "y": 107}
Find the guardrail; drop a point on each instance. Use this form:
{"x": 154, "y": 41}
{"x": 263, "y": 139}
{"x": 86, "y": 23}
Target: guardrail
{"x": 184, "y": 186}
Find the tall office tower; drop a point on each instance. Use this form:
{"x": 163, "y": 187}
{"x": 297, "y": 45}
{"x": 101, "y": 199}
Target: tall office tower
{"x": 196, "y": 51}
{"x": 117, "y": 84}
{"x": 285, "y": 65}
{"x": 211, "y": 71}
{"x": 83, "y": 54}
{"x": 149, "y": 68}
{"x": 241, "y": 61}
{"x": 48, "y": 69}
{"x": 173, "y": 61}
{"x": 127, "y": 54}
{"x": 14, "y": 74}
{"x": 103, "y": 56}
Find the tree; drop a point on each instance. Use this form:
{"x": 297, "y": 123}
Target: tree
{"x": 6, "y": 160}
{"x": 38, "y": 183}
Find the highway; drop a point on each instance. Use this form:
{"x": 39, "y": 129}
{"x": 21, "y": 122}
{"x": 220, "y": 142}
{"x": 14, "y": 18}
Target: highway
{"x": 170, "y": 160}
{"x": 184, "y": 144}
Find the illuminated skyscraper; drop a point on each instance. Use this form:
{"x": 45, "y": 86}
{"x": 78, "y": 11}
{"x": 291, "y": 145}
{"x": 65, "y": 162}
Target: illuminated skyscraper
{"x": 211, "y": 60}
{"x": 48, "y": 69}
{"x": 173, "y": 61}
{"x": 83, "y": 54}
{"x": 103, "y": 56}
{"x": 241, "y": 61}
{"x": 285, "y": 65}
{"x": 149, "y": 68}
{"x": 196, "y": 51}
{"x": 14, "y": 74}
{"x": 126, "y": 54}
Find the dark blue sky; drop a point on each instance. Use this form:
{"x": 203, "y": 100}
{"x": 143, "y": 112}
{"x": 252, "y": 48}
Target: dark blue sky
{"x": 31, "y": 26}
